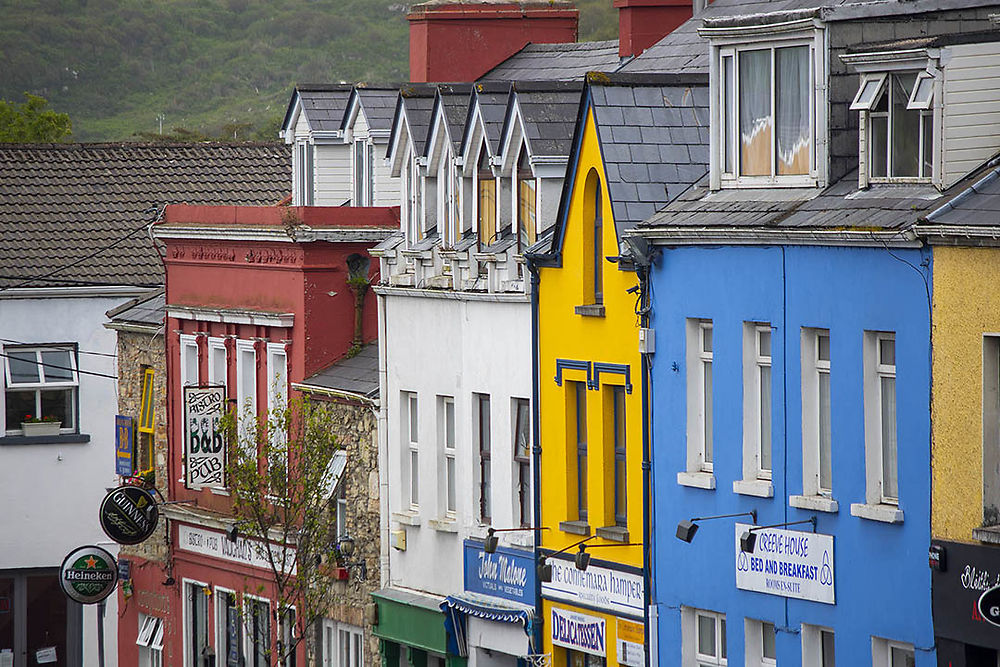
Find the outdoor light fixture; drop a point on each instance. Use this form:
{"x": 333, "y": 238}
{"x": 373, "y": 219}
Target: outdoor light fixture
{"x": 748, "y": 540}
{"x": 581, "y": 562}
{"x": 582, "y": 559}
{"x": 233, "y": 533}
{"x": 492, "y": 541}
{"x": 686, "y": 529}
{"x": 345, "y": 545}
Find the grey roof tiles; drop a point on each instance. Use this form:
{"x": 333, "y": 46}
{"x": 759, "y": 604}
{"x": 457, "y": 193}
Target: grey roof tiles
{"x": 557, "y": 62}
{"x": 74, "y": 214}
{"x": 149, "y": 310}
{"x": 356, "y": 375}
{"x": 379, "y": 105}
{"x": 549, "y": 113}
{"x": 323, "y": 105}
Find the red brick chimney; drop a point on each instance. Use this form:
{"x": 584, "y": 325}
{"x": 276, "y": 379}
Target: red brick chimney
{"x": 456, "y": 40}
{"x": 642, "y": 23}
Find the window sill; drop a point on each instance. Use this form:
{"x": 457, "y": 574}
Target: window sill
{"x": 61, "y": 439}
{"x": 697, "y": 480}
{"x": 613, "y": 533}
{"x": 760, "y": 488}
{"x": 408, "y": 518}
{"x": 443, "y": 525}
{"x": 814, "y": 503}
{"x": 883, "y": 513}
{"x": 593, "y": 310}
{"x": 575, "y": 527}
{"x": 989, "y": 534}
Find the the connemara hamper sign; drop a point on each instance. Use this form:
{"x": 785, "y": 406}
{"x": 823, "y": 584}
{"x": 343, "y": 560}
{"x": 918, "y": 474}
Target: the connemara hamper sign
{"x": 204, "y": 453}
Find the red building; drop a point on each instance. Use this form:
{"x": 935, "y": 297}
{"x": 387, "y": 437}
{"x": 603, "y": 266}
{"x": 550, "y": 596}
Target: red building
{"x": 257, "y": 300}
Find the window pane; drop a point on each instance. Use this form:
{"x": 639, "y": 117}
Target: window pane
{"x": 57, "y": 366}
{"x": 767, "y": 641}
{"x": 414, "y": 477}
{"x": 887, "y": 352}
{"x": 905, "y": 127}
{"x": 450, "y": 473}
{"x": 522, "y": 436}
{"x": 927, "y": 144}
{"x": 722, "y": 636}
{"x": 20, "y": 407}
{"x": 866, "y": 94}
{"x": 706, "y": 338}
{"x": 707, "y": 398}
{"x": 826, "y": 639}
{"x": 359, "y": 173}
{"x": 879, "y": 141}
{"x": 23, "y": 366}
{"x": 370, "y": 176}
{"x": 889, "y": 481}
{"x": 823, "y": 347}
{"x": 793, "y": 117}
{"x": 755, "y": 113}
{"x": 46, "y": 615}
{"x": 728, "y": 112}
{"x": 449, "y": 424}
{"x": 581, "y": 449}
{"x": 901, "y": 657}
{"x": 764, "y": 343}
{"x": 706, "y": 635}
{"x": 923, "y": 92}
{"x": 825, "y": 439}
{"x": 526, "y": 212}
{"x": 190, "y": 361}
{"x": 413, "y": 418}
{"x": 58, "y": 404}
{"x": 765, "y": 417}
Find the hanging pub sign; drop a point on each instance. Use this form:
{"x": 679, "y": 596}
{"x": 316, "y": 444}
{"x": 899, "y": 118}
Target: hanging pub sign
{"x": 124, "y": 437}
{"x": 989, "y": 605}
{"x": 204, "y": 453}
{"x": 88, "y": 574}
{"x": 129, "y": 514}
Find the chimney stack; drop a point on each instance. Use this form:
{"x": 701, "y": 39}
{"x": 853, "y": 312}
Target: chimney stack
{"x": 455, "y": 40}
{"x": 642, "y": 23}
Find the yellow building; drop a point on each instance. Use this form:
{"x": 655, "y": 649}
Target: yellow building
{"x": 590, "y": 399}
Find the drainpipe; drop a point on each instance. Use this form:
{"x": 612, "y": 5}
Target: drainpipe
{"x": 642, "y": 273}
{"x": 536, "y": 448}
{"x": 383, "y": 446}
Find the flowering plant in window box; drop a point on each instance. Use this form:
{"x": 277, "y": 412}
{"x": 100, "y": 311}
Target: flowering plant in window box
{"x": 48, "y": 425}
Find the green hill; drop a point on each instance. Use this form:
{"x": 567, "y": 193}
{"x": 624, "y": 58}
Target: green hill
{"x": 209, "y": 66}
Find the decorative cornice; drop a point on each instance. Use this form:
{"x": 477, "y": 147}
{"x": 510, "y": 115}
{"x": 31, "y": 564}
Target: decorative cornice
{"x": 739, "y": 236}
{"x": 760, "y": 29}
{"x": 303, "y": 234}
{"x": 231, "y": 316}
{"x": 498, "y": 297}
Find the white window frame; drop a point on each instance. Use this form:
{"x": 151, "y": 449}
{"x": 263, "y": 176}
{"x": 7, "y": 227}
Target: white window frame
{"x": 756, "y": 479}
{"x": 446, "y": 201}
{"x": 410, "y": 436}
{"x": 217, "y": 349}
{"x": 882, "y": 651}
{"x": 150, "y": 641}
{"x": 924, "y": 105}
{"x": 363, "y": 174}
{"x": 305, "y": 172}
{"x": 728, "y": 44}
{"x": 277, "y": 377}
{"x": 753, "y": 633}
{"x": 243, "y": 417}
{"x": 878, "y": 505}
{"x": 812, "y": 646}
{"x": 287, "y": 633}
{"x": 73, "y": 384}
{"x": 411, "y": 197}
{"x": 448, "y": 472}
{"x": 690, "y": 647}
{"x": 249, "y": 650}
{"x": 333, "y": 634}
{"x": 700, "y": 466}
{"x": 525, "y": 521}
{"x": 189, "y": 352}
{"x": 220, "y": 623}
{"x": 814, "y": 495}
{"x": 484, "y": 489}
{"x": 186, "y": 617}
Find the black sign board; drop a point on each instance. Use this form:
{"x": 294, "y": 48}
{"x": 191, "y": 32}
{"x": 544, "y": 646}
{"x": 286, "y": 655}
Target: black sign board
{"x": 88, "y": 575}
{"x": 989, "y": 605}
{"x": 972, "y": 573}
{"x": 129, "y": 514}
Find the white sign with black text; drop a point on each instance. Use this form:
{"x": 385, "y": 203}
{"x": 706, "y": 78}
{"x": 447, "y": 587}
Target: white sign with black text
{"x": 579, "y": 631}
{"x": 204, "y": 450}
{"x": 241, "y": 550}
{"x": 789, "y": 563}
{"x": 619, "y": 593}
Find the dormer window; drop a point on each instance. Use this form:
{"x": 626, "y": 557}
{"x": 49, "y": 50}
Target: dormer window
{"x": 486, "y": 198}
{"x": 411, "y": 199}
{"x": 305, "y": 173}
{"x": 897, "y": 125}
{"x": 526, "y": 196}
{"x": 364, "y": 172}
{"x": 446, "y": 202}
{"x": 766, "y": 105}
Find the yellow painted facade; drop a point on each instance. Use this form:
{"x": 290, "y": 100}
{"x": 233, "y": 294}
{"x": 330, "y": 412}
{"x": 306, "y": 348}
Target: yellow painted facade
{"x": 966, "y": 307}
{"x": 568, "y": 332}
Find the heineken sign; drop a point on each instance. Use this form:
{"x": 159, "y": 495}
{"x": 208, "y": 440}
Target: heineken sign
{"x": 204, "y": 453}
{"x": 88, "y": 575}
{"x": 129, "y": 515}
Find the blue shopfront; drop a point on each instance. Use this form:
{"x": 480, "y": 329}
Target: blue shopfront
{"x": 790, "y": 388}
{"x": 492, "y": 621}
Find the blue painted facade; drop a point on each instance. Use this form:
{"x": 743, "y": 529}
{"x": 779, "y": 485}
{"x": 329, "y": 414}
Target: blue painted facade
{"x": 882, "y": 575}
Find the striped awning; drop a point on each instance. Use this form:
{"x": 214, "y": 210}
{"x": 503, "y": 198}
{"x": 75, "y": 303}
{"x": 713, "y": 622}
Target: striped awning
{"x": 457, "y": 607}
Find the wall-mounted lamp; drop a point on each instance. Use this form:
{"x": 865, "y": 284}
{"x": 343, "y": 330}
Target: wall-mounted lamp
{"x": 345, "y": 545}
{"x": 492, "y": 541}
{"x": 233, "y": 533}
{"x": 581, "y": 562}
{"x": 686, "y": 529}
{"x": 748, "y": 540}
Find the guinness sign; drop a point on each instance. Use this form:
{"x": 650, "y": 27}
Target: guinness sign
{"x": 88, "y": 575}
{"x": 989, "y": 605}
{"x": 129, "y": 515}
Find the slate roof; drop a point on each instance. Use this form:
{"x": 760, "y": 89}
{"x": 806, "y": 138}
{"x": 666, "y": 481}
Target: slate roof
{"x": 149, "y": 310}
{"x": 355, "y": 375}
{"x": 549, "y": 113}
{"x": 654, "y": 136}
{"x": 419, "y": 103}
{"x": 379, "y": 105}
{"x": 491, "y": 98}
{"x": 322, "y": 104}
{"x": 454, "y": 98}
{"x": 978, "y": 205}
{"x": 75, "y": 214}
{"x": 557, "y": 62}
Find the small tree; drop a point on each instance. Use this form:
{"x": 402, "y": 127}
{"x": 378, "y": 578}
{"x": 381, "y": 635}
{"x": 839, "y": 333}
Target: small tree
{"x": 32, "y": 121}
{"x": 280, "y": 479}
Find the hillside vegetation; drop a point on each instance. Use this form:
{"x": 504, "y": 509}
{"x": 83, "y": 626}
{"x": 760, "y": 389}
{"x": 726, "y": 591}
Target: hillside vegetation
{"x": 121, "y": 68}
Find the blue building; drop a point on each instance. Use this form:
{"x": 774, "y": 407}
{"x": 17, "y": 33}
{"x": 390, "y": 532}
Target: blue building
{"x": 790, "y": 301}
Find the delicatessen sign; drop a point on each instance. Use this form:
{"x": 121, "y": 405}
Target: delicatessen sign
{"x": 579, "y": 632}
{"x": 789, "y": 563}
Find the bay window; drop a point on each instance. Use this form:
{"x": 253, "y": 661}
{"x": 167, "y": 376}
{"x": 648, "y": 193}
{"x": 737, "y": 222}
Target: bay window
{"x": 41, "y": 384}
{"x": 898, "y": 124}
{"x": 767, "y": 113}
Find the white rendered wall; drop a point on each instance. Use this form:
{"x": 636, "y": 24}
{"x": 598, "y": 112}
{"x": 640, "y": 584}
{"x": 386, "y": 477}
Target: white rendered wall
{"x": 51, "y": 493}
{"x": 452, "y": 346}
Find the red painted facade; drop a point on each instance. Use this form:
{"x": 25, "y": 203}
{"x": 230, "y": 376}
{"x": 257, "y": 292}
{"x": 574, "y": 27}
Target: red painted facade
{"x": 462, "y": 41}
{"x": 642, "y": 23}
{"x": 263, "y": 275}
